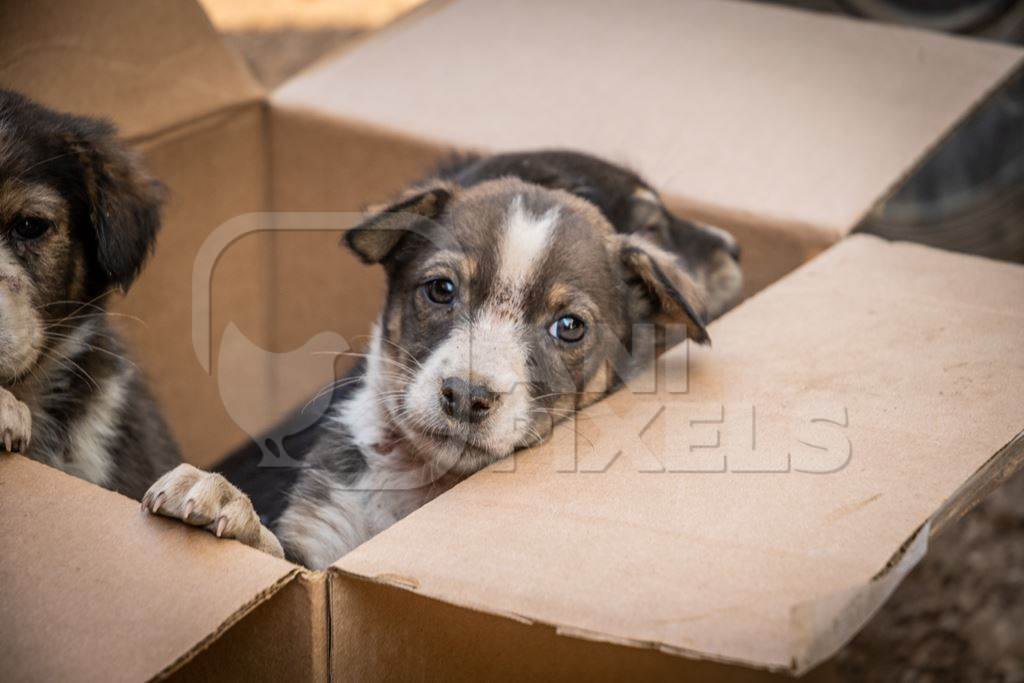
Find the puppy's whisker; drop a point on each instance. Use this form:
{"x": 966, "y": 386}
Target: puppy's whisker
{"x": 354, "y": 354}
{"x": 74, "y": 328}
{"x": 91, "y": 303}
{"x": 91, "y": 347}
{"x": 70, "y": 364}
{"x": 103, "y": 314}
{"x": 405, "y": 351}
{"x": 40, "y": 163}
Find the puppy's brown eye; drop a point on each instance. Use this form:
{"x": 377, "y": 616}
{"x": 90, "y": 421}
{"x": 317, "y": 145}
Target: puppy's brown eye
{"x": 440, "y": 290}
{"x": 30, "y": 227}
{"x": 568, "y": 328}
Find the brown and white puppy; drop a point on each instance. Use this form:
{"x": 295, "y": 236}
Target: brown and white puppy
{"x": 78, "y": 218}
{"x": 507, "y": 304}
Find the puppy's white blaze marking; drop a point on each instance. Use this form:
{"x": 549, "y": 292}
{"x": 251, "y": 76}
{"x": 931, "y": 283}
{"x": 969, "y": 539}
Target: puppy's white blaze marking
{"x": 524, "y": 242}
{"x": 93, "y": 433}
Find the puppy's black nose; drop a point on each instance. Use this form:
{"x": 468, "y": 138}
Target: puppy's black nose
{"x": 466, "y": 402}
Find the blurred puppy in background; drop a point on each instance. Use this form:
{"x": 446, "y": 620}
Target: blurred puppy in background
{"x": 78, "y": 217}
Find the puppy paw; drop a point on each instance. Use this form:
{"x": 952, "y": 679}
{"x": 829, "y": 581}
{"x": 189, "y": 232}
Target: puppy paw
{"x": 207, "y": 500}
{"x": 15, "y": 423}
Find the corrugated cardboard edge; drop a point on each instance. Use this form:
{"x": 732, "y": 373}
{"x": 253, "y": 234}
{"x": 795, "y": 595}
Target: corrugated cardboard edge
{"x": 411, "y": 585}
{"x": 239, "y": 614}
{"x": 820, "y": 627}
{"x": 318, "y": 591}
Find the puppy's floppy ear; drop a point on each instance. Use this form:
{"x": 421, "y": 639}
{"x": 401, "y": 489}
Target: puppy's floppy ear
{"x": 123, "y": 201}
{"x": 376, "y": 238}
{"x": 665, "y": 286}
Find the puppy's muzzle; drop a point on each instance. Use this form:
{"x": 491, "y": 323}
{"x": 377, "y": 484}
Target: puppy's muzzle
{"x": 467, "y": 402}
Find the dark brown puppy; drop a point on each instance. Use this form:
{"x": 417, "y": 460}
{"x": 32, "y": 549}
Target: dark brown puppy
{"x": 78, "y": 217}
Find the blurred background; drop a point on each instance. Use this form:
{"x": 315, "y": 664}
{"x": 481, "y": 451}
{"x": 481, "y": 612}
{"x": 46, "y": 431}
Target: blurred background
{"x": 960, "y": 615}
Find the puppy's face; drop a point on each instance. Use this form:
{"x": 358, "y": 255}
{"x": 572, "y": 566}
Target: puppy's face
{"x": 506, "y": 303}
{"x": 77, "y": 219}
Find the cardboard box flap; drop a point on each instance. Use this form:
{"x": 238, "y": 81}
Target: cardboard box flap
{"x": 126, "y": 596}
{"x": 748, "y": 509}
{"x": 145, "y": 64}
{"x": 741, "y": 112}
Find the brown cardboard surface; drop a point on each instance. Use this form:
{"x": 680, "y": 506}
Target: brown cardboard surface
{"x": 321, "y": 166}
{"x": 283, "y": 639}
{"x": 385, "y": 633}
{"x": 215, "y": 169}
{"x": 94, "y": 589}
{"x": 145, "y": 64}
{"x": 915, "y": 350}
{"x": 745, "y": 115}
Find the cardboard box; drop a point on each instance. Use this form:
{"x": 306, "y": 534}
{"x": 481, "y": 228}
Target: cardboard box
{"x": 580, "y": 557}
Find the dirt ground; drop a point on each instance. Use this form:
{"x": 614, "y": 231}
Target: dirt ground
{"x": 958, "y": 616}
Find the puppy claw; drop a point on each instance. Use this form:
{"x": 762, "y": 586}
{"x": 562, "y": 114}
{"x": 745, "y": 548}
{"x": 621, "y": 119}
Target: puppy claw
{"x": 157, "y": 502}
{"x": 15, "y": 423}
{"x": 189, "y": 506}
{"x": 221, "y": 523}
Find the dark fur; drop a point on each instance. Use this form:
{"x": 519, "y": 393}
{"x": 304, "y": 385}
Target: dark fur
{"x": 106, "y": 228}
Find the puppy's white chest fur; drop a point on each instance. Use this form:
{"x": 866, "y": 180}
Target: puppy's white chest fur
{"x": 330, "y": 514}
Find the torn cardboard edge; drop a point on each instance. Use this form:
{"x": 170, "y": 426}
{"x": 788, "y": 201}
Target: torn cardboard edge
{"x": 855, "y": 608}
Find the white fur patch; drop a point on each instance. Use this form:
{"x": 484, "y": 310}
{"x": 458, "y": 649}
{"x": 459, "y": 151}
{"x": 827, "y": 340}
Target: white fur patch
{"x": 525, "y": 240}
{"x": 360, "y": 414}
{"x": 95, "y": 430}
